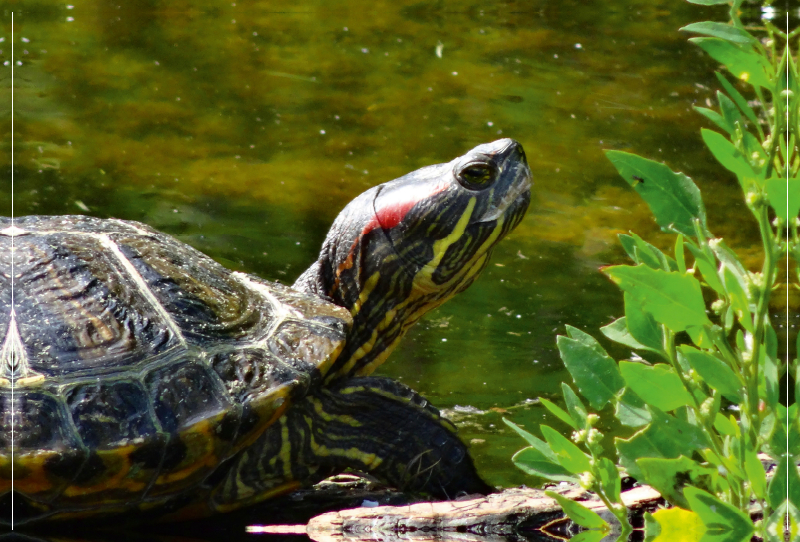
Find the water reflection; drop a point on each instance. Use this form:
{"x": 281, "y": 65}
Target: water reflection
{"x": 118, "y": 536}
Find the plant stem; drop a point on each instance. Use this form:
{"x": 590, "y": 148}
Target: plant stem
{"x": 708, "y": 425}
{"x": 621, "y": 515}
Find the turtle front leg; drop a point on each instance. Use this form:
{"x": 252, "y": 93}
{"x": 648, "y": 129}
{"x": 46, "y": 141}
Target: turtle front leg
{"x": 370, "y": 424}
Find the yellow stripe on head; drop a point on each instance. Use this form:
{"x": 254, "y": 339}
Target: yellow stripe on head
{"x": 411, "y": 244}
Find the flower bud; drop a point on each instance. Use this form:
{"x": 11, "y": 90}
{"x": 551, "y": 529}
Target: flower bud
{"x": 586, "y": 480}
{"x": 754, "y": 283}
{"x": 752, "y": 199}
{"x": 594, "y": 436}
{"x": 706, "y": 408}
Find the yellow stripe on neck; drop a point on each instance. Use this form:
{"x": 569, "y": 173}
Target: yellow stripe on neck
{"x": 423, "y": 284}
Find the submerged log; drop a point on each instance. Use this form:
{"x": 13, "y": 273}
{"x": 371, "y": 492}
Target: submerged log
{"x": 503, "y": 514}
{"x": 376, "y": 514}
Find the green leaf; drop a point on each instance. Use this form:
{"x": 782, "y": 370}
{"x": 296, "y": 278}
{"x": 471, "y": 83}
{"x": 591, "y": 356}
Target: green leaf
{"x": 794, "y": 427}
{"x": 673, "y": 299}
{"x": 665, "y": 436}
{"x": 558, "y": 412}
{"x": 715, "y": 372}
{"x": 574, "y": 406}
{"x": 650, "y": 255}
{"x": 738, "y": 98}
{"x": 642, "y": 326}
{"x": 792, "y": 83}
{"x": 794, "y": 485}
{"x": 707, "y": 269}
{"x": 784, "y": 197}
{"x": 569, "y": 456}
{"x": 724, "y": 425}
{"x": 680, "y": 257}
{"x": 531, "y": 461}
{"x": 740, "y": 341}
{"x": 673, "y": 198}
{"x": 617, "y": 331}
{"x": 738, "y": 298}
{"x": 778, "y": 438}
{"x": 769, "y": 372}
{"x": 670, "y": 476}
{"x": 652, "y": 528}
{"x": 674, "y": 525}
{"x": 752, "y": 146}
{"x": 629, "y": 245}
{"x": 578, "y": 513}
{"x": 609, "y": 479}
{"x": 700, "y": 336}
{"x": 766, "y": 428}
{"x": 631, "y": 410}
{"x": 592, "y": 369}
{"x": 741, "y": 61}
{"x": 533, "y": 440}
{"x": 791, "y": 80}
{"x": 728, "y": 257}
{"x": 727, "y": 155}
{"x": 658, "y": 385}
{"x": 729, "y": 111}
{"x": 720, "y": 518}
{"x": 721, "y": 30}
{"x": 755, "y": 474}
{"x": 716, "y": 118}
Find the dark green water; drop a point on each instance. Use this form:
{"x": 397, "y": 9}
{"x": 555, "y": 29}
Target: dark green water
{"x": 243, "y": 128}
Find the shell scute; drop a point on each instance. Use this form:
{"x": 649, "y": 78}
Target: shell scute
{"x": 299, "y": 343}
{"x": 110, "y": 414}
{"x": 263, "y": 384}
{"x": 193, "y": 407}
{"x": 184, "y": 393}
{"x": 76, "y": 309}
{"x": 198, "y": 293}
{"x": 48, "y": 455}
{"x": 249, "y": 373}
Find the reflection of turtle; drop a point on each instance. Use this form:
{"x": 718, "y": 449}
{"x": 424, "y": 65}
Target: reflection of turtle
{"x": 139, "y": 376}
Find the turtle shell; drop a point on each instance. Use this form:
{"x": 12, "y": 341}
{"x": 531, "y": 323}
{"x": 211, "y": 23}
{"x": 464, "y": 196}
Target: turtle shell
{"x": 132, "y": 365}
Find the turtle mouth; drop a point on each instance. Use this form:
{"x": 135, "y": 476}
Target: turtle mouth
{"x": 517, "y": 197}
{"x": 512, "y": 194}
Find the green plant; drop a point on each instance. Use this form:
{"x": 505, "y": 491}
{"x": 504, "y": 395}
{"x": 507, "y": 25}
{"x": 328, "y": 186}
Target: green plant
{"x": 706, "y": 404}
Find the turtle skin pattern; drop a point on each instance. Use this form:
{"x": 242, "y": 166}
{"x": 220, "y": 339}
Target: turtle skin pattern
{"x": 138, "y": 364}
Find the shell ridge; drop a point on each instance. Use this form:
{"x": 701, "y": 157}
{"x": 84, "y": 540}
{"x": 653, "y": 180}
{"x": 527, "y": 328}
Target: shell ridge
{"x": 107, "y": 242}
{"x": 282, "y": 311}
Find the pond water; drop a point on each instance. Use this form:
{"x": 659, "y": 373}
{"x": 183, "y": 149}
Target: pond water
{"x": 243, "y": 128}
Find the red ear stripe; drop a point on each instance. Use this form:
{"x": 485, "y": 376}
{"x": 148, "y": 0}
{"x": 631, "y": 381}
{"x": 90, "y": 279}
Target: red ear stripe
{"x": 389, "y": 216}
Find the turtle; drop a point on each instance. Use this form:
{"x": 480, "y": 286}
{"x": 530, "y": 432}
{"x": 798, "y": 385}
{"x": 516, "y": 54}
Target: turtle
{"x": 141, "y": 379}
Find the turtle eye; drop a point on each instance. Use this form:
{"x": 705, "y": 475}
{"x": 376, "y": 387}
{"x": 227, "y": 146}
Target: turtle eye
{"x": 477, "y": 175}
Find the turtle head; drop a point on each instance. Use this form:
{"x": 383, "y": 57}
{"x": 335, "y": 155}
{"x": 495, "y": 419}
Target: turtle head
{"x": 404, "y": 247}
